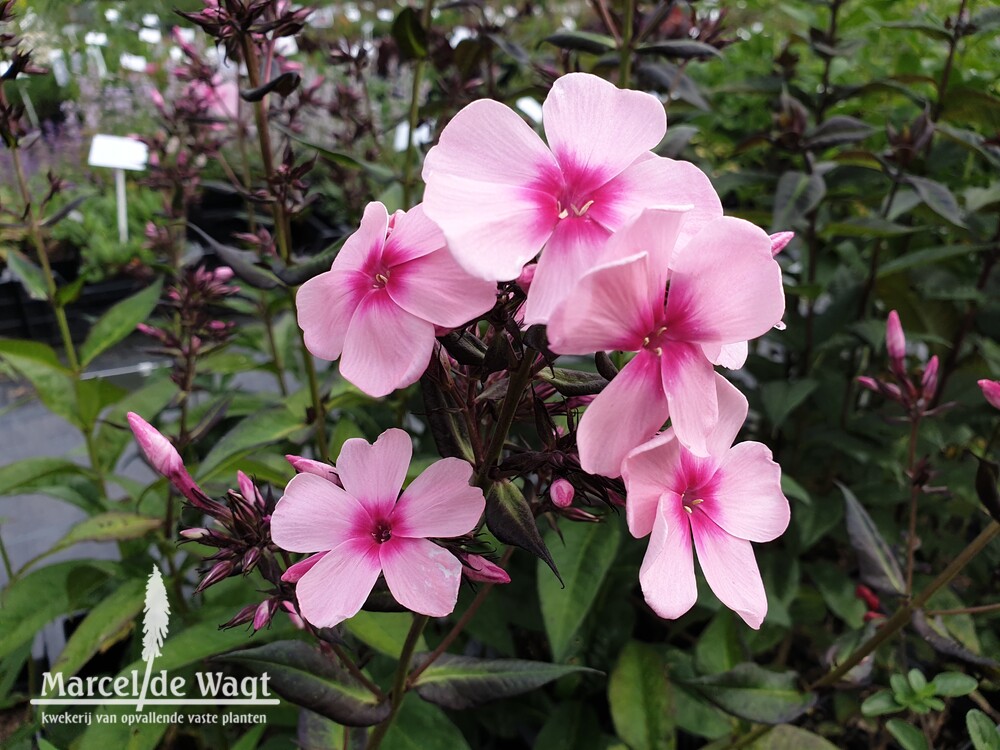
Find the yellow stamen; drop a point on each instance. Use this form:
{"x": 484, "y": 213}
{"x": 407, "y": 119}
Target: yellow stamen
{"x": 583, "y": 210}
{"x": 563, "y": 214}
{"x": 688, "y": 509}
{"x": 697, "y": 502}
{"x": 381, "y": 278}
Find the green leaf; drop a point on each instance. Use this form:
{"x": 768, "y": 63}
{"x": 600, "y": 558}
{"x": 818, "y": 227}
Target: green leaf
{"x": 112, "y": 526}
{"x": 756, "y": 694}
{"x": 934, "y": 31}
{"x": 317, "y": 732}
{"x": 509, "y": 518}
{"x": 788, "y": 737}
{"x": 422, "y": 726}
{"x": 120, "y": 321}
{"x": 797, "y": 194}
{"x": 641, "y": 699}
{"x": 410, "y": 35}
{"x": 102, "y": 626}
{"x": 927, "y": 256}
{"x": 781, "y": 397}
{"x": 378, "y": 172}
{"x": 836, "y": 131}
{"x": 252, "y": 432}
{"x": 907, "y": 735}
{"x": 584, "y": 557}
{"x": 571, "y": 726}
{"x": 28, "y": 470}
{"x": 383, "y": 631}
{"x": 308, "y": 678}
{"x": 838, "y": 591}
{"x": 938, "y": 198}
{"x": 582, "y": 41}
{"x": 882, "y": 702}
{"x": 459, "y": 682}
{"x": 93, "y": 395}
{"x": 679, "y": 49}
{"x": 982, "y": 731}
{"x": 30, "y": 275}
{"x": 244, "y": 263}
{"x": 573, "y": 382}
{"x": 954, "y": 684}
{"x": 251, "y": 739}
{"x": 718, "y": 648}
{"x": 879, "y": 568}
{"x": 113, "y": 434}
{"x": 39, "y": 364}
{"x": 868, "y": 226}
{"x": 31, "y": 602}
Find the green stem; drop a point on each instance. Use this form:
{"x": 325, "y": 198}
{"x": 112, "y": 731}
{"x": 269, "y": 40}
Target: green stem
{"x": 911, "y": 535}
{"x": 625, "y": 51}
{"x": 399, "y": 682}
{"x": 279, "y": 364}
{"x": 519, "y": 380}
{"x": 414, "y": 117}
{"x": 35, "y": 233}
{"x": 6, "y": 558}
{"x": 319, "y": 410}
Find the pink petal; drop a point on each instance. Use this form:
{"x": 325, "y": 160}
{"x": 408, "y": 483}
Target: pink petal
{"x": 991, "y": 391}
{"x": 625, "y": 414}
{"x": 610, "y": 309}
{"x": 595, "y": 127}
{"x": 299, "y": 569}
{"x": 338, "y": 585}
{"x": 724, "y": 286}
{"x": 439, "y": 503}
{"x": 730, "y": 569}
{"x": 422, "y": 576}
{"x": 412, "y": 235}
{"x": 325, "y": 305}
{"x": 657, "y": 181}
{"x": 733, "y": 410}
{"x": 374, "y": 472}
{"x": 746, "y": 500}
{"x": 386, "y": 347}
{"x": 667, "y": 572}
{"x": 689, "y": 382}
{"x": 315, "y": 515}
{"x": 654, "y": 231}
{"x": 572, "y": 250}
{"x": 651, "y": 472}
{"x": 435, "y": 288}
{"x": 489, "y": 187}
{"x": 364, "y": 248}
{"x": 730, "y": 356}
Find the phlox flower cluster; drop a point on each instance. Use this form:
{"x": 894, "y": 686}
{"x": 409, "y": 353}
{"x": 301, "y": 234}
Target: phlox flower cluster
{"x": 618, "y": 249}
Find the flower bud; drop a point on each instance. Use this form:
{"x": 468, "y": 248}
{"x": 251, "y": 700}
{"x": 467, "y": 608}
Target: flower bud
{"x": 478, "y": 568}
{"x": 249, "y": 491}
{"x": 244, "y": 615}
{"x": 309, "y": 466}
{"x": 194, "y": 535}
{"x": 895, "y": 342}
{"x": 299, "y": 569}
{"x": 779, "y": 240}
{"x": 562, "y": 493}
{"x": 220, "y": 571}
{"x": 265, "y": 611}
{"x": 929, "y": 384}
{"x": 526, "y": 277}
{"x": 163, "y": 457}
{"x": 991, "y": 392}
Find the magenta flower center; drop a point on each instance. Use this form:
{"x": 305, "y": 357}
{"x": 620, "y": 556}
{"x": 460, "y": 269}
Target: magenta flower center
{"x": 656, "y": 340}
{"x": 380, "y": 279}
{"x": 570, "y": 208}
{"x": 690, "y": 501}
{"x": 382, "y": 532}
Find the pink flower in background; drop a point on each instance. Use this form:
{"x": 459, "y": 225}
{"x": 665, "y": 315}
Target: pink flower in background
{"x": 991, "y": 392}
{"x": 500, "y": 195}
{"x": 724, "y": 288}
{"x": 724, "y": 501}
{"x": 366, "y": 529}
{"x": 378, "y": 306}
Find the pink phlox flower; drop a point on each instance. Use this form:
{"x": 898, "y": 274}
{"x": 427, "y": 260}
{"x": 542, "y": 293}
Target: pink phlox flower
{"x": 367, "y": 528}
{"x": 723, "y": 501}
{"x": 388, "y": 292}
{"x": 724, "y": 289}
{"x": 500, "y": 194}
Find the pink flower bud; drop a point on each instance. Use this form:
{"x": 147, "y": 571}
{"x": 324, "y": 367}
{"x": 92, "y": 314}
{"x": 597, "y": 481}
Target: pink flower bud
{"x": 929, "y": 383}
{"x": 870, "y": 383}
{"x": 526, "y": 277}
{"x": 299, "y": 569}
{"x": 478, "y": 568}
{"x": 262, "y": 617}
{"x": 223, "y": 274}
{"x": 991, "y": 391}
{"x": 309, "y": 466}
{"x": 895, "y": 340}
{"x": 249, "y": 491}
{"x": 779, "y": 241}
{"x": 195, "y": 534}
{"x": 219, "y": 572}
{"x": 164, "y": 458}
{"x": 562, "y": 493}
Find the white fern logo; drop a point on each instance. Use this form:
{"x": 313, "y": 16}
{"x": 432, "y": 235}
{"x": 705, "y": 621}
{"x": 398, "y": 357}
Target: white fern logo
{"x": 156, "y": 613}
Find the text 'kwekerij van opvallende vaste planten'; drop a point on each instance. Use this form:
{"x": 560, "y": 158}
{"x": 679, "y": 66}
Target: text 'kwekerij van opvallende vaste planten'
{"x": 478, "y": 407}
